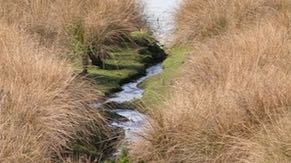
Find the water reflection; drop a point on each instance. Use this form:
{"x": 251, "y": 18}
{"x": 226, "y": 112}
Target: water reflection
{"x": 160, "y": 16}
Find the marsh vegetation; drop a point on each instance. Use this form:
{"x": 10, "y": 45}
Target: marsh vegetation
{"x": 222, "y": 93}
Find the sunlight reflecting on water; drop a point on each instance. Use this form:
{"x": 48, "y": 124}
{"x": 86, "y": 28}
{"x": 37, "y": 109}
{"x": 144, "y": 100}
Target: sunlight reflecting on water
{"x": 160, "y": 15}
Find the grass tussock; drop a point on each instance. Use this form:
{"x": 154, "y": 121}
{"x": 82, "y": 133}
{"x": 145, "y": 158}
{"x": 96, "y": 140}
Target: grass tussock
{"x": 79, "y": 27}
{"x": 201, "y": 19}
{"x": 43, "y": 106}
{"x": 233, "y": 102}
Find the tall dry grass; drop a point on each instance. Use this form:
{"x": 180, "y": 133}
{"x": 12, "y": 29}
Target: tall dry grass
{"x": 202, "y": 19}
{"x": 76, "y": 26}
{"x": 233, "y": 102}
{"x": 43, "y": 105}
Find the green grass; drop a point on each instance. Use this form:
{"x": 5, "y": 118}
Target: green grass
{"x": 124, "y": 65}
{"x": 143, "y": 37}
{"x": 156, "y": 87}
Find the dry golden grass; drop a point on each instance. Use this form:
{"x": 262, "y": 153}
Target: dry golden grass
{"x": 234, "y": 87}
{"x": 43, "y": 106}
{"x": 75, "y": 25}
{"x": 233, "y": 102}
{"x": 200, "y": 19}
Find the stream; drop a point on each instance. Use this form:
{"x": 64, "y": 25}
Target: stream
{"x": 132, "y": 91}
{"x": 159, "y": 15}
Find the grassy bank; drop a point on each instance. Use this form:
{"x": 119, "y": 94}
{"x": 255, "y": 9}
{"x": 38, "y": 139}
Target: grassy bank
{"x": 83, "y": 30}
{"x": 157, "y": 87}
{"x": 232, "y": 103}
{"x": 44, "y": 106}
{"x": 125, "y": 63}
{"x": 44, "y": 102}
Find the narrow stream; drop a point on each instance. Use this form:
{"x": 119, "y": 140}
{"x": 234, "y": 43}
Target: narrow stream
{"x": 159, "y": 14}
{"x": 132, "y": 91}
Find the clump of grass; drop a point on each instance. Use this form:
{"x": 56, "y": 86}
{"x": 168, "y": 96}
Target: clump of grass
{"x": 201, "y": 19}
{"x": 81, "y": 28}
{"x": 232, "y": 104}
{"x": 43, "y": 105}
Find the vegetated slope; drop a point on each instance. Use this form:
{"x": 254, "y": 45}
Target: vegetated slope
{"x": 43, "y": 106}
{"x": 81, "y": 28}
{"x": 197, "y": 20}
{"x": 232, "y": 103}
{"x": 45, "y": 116}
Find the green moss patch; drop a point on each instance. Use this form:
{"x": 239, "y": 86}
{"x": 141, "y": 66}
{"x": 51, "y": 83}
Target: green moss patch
{"x": 156, "y": 88}
{"x": 125, "y": 63}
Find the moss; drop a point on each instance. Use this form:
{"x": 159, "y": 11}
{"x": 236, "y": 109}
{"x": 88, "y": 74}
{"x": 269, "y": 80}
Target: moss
{"x": 143, "y": 38}
{"x": 156, "y": 87}
{"x": 124, "y": 64}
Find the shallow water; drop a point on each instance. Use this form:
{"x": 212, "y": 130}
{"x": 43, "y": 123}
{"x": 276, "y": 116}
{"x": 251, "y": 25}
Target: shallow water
{"x": 135, "y": 124}
{"x": 136, "y": 121}
{"x": 160, "y": 14}
{"x": 132, "y": 91}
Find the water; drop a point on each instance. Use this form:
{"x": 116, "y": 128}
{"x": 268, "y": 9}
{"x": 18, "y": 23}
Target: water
{"x": 160, "y": 14}
{"x": 136, "y": 121}
{"x": 132, "y": 91}
{"x": 135, "y": 125}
